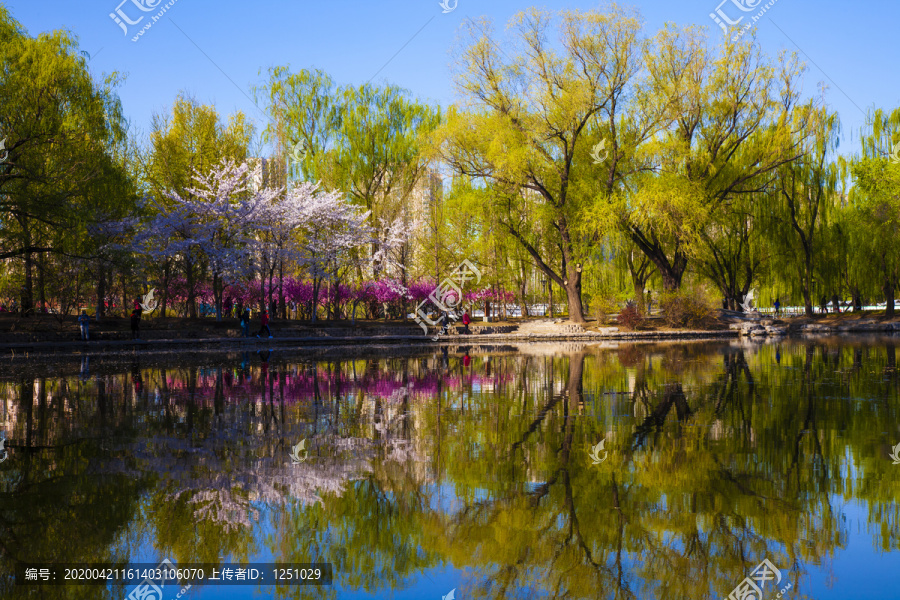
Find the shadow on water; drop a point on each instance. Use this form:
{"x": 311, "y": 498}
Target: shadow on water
{"x": 478, "y": 466}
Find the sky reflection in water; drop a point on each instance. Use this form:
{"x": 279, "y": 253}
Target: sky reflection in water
{"x": 431, "y": 472}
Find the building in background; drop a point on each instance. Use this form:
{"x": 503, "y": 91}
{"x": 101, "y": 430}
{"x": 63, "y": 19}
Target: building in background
{"x": 266, "y": 172}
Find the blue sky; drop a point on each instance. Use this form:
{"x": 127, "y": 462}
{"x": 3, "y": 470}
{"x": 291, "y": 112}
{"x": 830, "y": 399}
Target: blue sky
{"x": 215, "y": 50}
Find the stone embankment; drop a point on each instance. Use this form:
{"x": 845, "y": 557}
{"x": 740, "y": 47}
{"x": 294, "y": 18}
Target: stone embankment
{"x": 777, "y": 328}
{"x": 159, "y": 337}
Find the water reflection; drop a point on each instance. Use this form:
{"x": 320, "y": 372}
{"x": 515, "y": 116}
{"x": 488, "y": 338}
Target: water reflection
{"x": 470, "y": 465}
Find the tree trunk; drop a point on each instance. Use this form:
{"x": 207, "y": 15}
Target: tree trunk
{"x": 671, "y": 272}
{"x": 165, "y": 291}
{"x": 807, "y": 295}
{"x": 42, "y": 292}
{"x": 522, "y": 289}
{"x": 571, "y": 270}
{"x": 217, "y": 296}
{"x": 191, "y": 308}
{"x": 523, "y": 299}
{"x": 671, "y": 279}
{"x": 331, "y": 301}
{"x": 281, "y": 290}
{"x": 315, "y": 299}
{"x": 572, "y": 285}
{"x": 573, "y": 297}
{"x": 125, "y": 304}
{"x": 101, "y": 292}
{"x": 271, "y": 289}
{"x": 404, "y": 279}
{"x": 888, "y": 298}
{"x": 807, "y": 303}
{"x": 640, "y": 274}
{"x": 857, "y": 300}
{"x": 28, "y": 288}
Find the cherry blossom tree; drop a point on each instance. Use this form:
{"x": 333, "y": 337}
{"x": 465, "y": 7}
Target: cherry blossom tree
{"x": 167, "y": 239}
{"x": 329, "y": 229}
{"x": 392, "y": 249}
{"x": 225, "y": 227}
{"x": 277, "y": 244}
{"x": 228, "y": 214}
{"x": 213, "y": 224}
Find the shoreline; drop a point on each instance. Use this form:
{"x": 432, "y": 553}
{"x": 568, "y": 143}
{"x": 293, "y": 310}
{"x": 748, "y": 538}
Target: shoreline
{"x": 216, "y": 337}
{"x": 255, "y": 344}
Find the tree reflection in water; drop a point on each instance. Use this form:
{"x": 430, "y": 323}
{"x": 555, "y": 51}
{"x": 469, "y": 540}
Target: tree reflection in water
{"x": 719, "y": 456}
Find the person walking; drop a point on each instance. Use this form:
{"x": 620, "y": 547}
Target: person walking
{"x": 466, "y": 320}
{"x": 136, "y": 321}
{"x": 245, "y": 323}
{"x": 777, "y": 306}
{"x": 83, "y": 322}
{"x": 264, "y": 324}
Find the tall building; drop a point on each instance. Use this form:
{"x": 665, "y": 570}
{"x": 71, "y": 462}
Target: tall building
{"x": 424, "y": 206}
{"x": 266, "y": 172}
{"x": 427, "y": 194}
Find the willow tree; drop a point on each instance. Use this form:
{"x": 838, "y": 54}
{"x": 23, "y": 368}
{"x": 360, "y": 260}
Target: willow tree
{"x": 364, "y": 140}
{"x": 731, "y": 120}
{"x": 877, "y": 197}
{"x": 734, "y": 248}
{"x": 304, "y": 120}
{"x": 529, "y": 119}
{"x": 850, "y": 240}
{"x": 806, "y": 196}
{"x": 60, "y": 127}
{"x": 837, "y": 265}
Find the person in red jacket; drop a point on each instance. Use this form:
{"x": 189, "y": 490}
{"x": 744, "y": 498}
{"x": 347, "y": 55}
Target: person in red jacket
{"x": 264, "y": 324}
{"x": 466, "y": 320}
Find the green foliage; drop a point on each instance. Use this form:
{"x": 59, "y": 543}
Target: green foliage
{"x": 64, "y": 174}
{"x": 192, "y": 139}
{"x": 603, "y": 307}
{"x": 584, "y": 152}
{"x": 876, "y": 197}
{"x": 368, "y": 141}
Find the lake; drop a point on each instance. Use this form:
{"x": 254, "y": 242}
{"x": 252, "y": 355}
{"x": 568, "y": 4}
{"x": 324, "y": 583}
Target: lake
{"x": 645, "y": 471}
